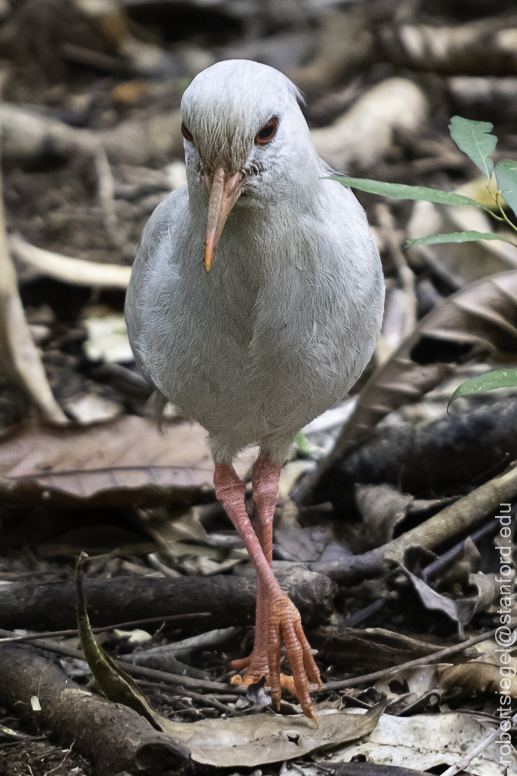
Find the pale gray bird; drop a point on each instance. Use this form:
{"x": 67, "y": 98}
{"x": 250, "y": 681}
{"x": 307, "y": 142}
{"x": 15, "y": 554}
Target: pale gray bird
{"x": 279, "y": 329}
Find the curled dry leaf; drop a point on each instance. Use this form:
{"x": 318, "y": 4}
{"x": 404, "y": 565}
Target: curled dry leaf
{"x": 382, "y": 508}
{"x": 433, "y": 601}
{"x": 477, "y": 321}
{"x": 486, "y": 594}
{"x": 411, "y": 688}
{"x": 482, "y": 675}
{"x": 120, "y": 462}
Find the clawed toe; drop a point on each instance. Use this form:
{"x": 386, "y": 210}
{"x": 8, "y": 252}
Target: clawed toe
{"x": 285, "y": 625}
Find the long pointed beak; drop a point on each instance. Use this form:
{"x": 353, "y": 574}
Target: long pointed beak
{"x": 223, "y": 196}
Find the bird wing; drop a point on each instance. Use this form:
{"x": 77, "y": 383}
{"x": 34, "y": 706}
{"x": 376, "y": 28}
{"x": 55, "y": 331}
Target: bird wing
{"x": 156, "y": 249}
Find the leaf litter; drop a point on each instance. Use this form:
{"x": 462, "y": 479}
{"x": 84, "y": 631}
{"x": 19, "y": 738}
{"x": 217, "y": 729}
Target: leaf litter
{"x": 101, "y": 463}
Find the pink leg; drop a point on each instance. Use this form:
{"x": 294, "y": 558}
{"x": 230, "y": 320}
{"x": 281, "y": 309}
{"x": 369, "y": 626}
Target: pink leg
{"x": 265, "y": 476}
{"x": 277, "y": 617}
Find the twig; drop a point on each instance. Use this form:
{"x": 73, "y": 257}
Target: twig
{"x": 132, "y": 624}
{"x": 196, "y": 696}
{"x": 456, "y": 517}
{"x": 404, "y": 272}
{"x": 421, "y": 661}
{"x": 463, "y": 764}
{"x": 149, "y": 673}
{"x": 182, "y": 648}
{"x": 105, "y": 191}
{"x": 433, "y": 569}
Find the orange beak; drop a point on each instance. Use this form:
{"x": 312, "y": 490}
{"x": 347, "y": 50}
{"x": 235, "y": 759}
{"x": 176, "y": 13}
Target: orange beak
{"x": 224, "y": 194}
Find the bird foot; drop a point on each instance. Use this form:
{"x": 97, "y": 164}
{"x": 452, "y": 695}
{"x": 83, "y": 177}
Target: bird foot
{"x": 284, "y": 626}
{"x": 255, "y": 668}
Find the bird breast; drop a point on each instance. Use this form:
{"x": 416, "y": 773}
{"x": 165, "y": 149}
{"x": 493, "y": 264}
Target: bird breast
{"x": 274, "y": 334}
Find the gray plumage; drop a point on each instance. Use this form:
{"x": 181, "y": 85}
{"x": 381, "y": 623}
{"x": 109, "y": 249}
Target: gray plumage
{"x": 287, "y": 318}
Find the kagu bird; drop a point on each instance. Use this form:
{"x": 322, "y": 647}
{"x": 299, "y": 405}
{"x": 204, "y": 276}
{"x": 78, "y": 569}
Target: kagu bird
{"x": 278, "y": 330}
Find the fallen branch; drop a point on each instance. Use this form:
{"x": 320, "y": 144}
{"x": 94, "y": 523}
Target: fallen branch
{"x": 19, "y": 356}
{"x": 437, "y": 657}
{"x": 366, "y": 131}
{"x": 118, "y": 626}
{"x": 431, "y": 459}
{"x": 113, "y": 737}
{"x": 51, "y": 605}
{"x": 147, "y": 673}
{"x": 377, "y": 648}
{"x": 69, "y": 270}
{"x": 451, "y": 521}
{"x": 455, "y": 518}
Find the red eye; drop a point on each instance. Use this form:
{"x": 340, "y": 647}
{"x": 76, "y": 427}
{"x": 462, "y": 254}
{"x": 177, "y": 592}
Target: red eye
{"x": 186, "y": 134}
{"x": 267, "y": 133}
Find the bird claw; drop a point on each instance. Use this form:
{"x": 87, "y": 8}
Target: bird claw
{"x": 285, "y": 625}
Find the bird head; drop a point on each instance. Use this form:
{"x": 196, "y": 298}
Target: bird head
{"x": 244, "y": 133}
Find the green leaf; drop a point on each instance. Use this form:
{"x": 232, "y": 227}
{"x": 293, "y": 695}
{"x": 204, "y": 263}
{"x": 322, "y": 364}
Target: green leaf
{"x": 500, "y": 378}
{"x": 474, "y": 140}
{"x": 116, "y": 685}
{"x": 506, "y": 176}
{"x": 458, "y": 237}
{"x": 401, "y": 191}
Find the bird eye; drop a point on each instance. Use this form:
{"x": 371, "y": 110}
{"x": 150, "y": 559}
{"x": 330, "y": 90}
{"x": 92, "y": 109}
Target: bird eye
{"x": 186, "y": 134}
{"x": 267, "y": 133}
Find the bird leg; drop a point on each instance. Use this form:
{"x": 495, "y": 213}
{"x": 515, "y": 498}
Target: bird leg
{"x": 265, "y": 493}
{"x": 277, "y": 617}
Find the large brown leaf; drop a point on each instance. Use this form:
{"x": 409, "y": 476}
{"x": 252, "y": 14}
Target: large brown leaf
{"x": 478, "y": 321}
{"x": 125, "y": 461}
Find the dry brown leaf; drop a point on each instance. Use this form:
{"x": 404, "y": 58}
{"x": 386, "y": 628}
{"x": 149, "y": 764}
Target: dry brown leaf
{"x": 482, "y": 675}
{"x": 477, "y": 321}
{"x": 266, "y": 738}
{"x": 123, "y": 461}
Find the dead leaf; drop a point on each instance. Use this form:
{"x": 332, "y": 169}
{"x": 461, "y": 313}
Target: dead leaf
{"x": 456, "y": 572}
{"x": 478, "y": 320}
{"x": 125, "y": 461}
{"x": 382, "y": 508}
{"x": 268, "y": 738}
{"x": 433, "y": 601}
{"x": 301, "y": 544}
{"x": 485, "y": 675}
{"x": 411, "y": 687}
{"x": 486, "y": 595}
{"x": 424, "y": 741}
